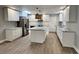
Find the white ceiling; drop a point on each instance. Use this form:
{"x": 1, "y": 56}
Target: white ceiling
{"x": 45, "y": 9}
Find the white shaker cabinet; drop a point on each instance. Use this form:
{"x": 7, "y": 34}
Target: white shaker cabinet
{"x": 66, "y": 37}
{"x": 70, "y": 14}
{"x": 11, "y": 15}
{"x": 73, "y": 13}
{"x": 13, "y": 33}
{"x": 66, "y": 14}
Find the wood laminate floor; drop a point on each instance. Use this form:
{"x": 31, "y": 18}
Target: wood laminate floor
{"x": 24, "y": 46}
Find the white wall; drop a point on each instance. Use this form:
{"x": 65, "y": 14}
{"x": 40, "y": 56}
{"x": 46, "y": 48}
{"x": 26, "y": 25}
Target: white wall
{"x": 32, "y": 18}
{"x": 46, "y": 17}
{"x": 53, "y": 23}
{"x": 4, "y": 24}
{"x": 49, "y": 21}
{"x": 33, "y": 21}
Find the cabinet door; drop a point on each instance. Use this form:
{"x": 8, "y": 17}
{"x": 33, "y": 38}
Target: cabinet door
{"x": 68, "y": 39}
{"x": 10, "y": 14}
{"x": 13, "y": 15}
{"x": 66, "y": 14}
{"x": 9, "y": 35}
{"x": 73, "y": 14}
{"x": 16, "y": 16}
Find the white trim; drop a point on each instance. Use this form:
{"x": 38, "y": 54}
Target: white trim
{"x": 1, "y": 41}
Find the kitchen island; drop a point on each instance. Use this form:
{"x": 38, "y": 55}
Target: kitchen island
{"x": 38, "y": 34}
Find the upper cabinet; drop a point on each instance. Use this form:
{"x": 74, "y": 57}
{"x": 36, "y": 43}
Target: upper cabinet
{"x": 70, "y": 13}
{"x": 11, "y": 15}
{"x": 66, "y": 14}
{"x": 73, "y": 13}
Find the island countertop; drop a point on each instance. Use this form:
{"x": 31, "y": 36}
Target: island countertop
{"x": 39, "y": 28}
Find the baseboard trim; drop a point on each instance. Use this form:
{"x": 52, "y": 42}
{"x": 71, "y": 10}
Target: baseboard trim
{"x": 1, "y": 41}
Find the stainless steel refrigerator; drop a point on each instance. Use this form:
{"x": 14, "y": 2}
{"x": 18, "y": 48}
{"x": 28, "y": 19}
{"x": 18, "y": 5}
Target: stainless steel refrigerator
{"x": 24, "y": 23}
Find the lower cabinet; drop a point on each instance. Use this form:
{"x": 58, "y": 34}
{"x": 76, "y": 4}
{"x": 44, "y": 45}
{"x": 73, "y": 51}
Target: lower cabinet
{"x": 60, "y": 34}
{"x": 12, "y": 34}
{"x": 67, "y": 38}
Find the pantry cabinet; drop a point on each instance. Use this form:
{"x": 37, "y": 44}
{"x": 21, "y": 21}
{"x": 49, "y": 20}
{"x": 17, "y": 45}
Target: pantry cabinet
{"x": 11, "y": 15}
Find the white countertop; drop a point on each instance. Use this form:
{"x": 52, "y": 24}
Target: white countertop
{"x": 63, "y": 29}
{"x": 39, "y": 28}
{"x": 12, "y": 28}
